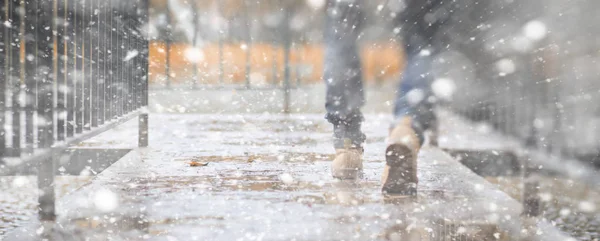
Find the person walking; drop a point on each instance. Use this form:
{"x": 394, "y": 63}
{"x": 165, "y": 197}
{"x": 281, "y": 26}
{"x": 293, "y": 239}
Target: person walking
{"x": 413, "y": 113}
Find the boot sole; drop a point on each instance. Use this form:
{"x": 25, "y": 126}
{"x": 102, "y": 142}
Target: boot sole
{"x": 347, "y": 174}
{"x": 399, "y": 158}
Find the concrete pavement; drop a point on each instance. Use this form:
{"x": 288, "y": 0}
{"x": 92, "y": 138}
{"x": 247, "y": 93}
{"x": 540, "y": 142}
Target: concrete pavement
{"x": 267, "y": 178}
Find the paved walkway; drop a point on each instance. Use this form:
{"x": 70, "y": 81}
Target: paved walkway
{"x": 266, "y": 177}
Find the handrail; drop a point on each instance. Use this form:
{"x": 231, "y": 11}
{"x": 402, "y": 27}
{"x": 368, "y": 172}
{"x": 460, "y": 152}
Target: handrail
{"x": 69, "y": 70}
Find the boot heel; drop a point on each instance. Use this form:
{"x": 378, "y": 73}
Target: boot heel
{"x": 347, "y": 164}
{"x": 400, "y": 178}
{"x": 398, "y": 155}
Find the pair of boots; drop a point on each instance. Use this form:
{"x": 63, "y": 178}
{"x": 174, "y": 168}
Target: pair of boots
{"x": 400, "y": 173}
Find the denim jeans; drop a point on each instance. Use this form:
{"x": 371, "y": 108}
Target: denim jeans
{"x": 343, "y": 72}
{"x": 343, "y": 75}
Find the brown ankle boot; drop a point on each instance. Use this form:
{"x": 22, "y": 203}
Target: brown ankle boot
{"x": 400, "y": 172}
{"x": 347, "y": 164}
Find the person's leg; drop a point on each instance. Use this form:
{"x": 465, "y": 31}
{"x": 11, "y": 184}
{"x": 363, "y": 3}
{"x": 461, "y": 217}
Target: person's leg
{"x": 413, "y": 112}
{"x": 344, "y": 97}
{"x": 343, "y": 79}
{"x": 415, "y": 98}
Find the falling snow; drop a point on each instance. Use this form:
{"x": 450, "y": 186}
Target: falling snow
{"x": 204, "y": 120}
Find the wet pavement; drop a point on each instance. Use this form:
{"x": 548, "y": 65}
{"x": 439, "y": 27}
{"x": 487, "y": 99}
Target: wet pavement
{"x": 266, "y": 177}
{"x": 18, "y": 198}
{"x": 570, "y": 205}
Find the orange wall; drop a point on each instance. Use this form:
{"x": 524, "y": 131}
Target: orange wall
{"x": 380, "y": 62}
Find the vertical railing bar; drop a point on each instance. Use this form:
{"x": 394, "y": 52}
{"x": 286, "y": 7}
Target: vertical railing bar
{"x": 134, "y": 62}
{"x": 132, "y": 19}
{"x": 60, "y": 70}
{"x": 194, "y": 6}
{"x": 298, "y": 66}
{"x": 3, "y": 76}
{"x": 121, "y": 63}
{"x": 102, "y": 54}
{"x": 530, "y": 200}
{"x": 79, "y": 69}
{"x": 54, "y": 26}
{"x": 92, "y": 75}
{"x": 116, "y": 64}
{"x": 220, "y": 34}
{"x": 73, "y": 70}
{"x": 146, "y": 58}
{"x": 274, "y": 66}
{"x": 30, "y": 70}
{"x": 143, "y": 118}
{"x": 133, "y": 67}
{"x": 168, "y": 46}
{"x": 84, "y": 68}
{"x": 113, "y": 62}
{"x": 286, "y": 59}
{"x": 8, "y": 73}
{"x": 125, "y": 68}
{"x": 119, "y": 60}
{"x": 45, "y": 56}
{"x": 120, "y": 56}
{"x": 71, "y": 49}
{"x": 96, "y": 11}
{"x": 14, "y": 74}
{"x": 139, "y": 78}
{"x": 107, "y": 63}
{"x": 134, "y": 46}
{"x": 142, "y": 47}
{"x": 129, "y": 64}
{"x": 85, "y": 27}
{"x": 515, "y": 89}
{"x": 248, "y": 42}
{"x": 87, "y": 78}
{"x": 94, "y": 38}
{"x": 46, "y": 69}
{"x": 140, "y": 59}
{"x": 37, "y": 74}
{"x": 126, "y": 64}
{"x": 136, "y": 76}
{"x": 508, "y": 102}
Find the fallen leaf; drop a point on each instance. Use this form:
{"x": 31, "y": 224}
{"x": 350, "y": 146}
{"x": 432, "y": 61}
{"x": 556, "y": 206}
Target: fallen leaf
{"x": 198, "y": 164}
{"x": 252, "y": 159}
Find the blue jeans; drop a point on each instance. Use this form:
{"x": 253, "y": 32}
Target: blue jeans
{"x": 414, "y": 99}
{"x": 343, "y": 72}
{"x": 343, "y": 75}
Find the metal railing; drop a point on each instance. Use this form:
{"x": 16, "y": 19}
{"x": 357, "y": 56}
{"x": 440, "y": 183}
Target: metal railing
{"x": 529, "y": 73}
{"x": 69, "y": 70}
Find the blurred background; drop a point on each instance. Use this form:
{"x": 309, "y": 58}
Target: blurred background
{"x": 247, "y": 40}
{"x": 530, "y": 68}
